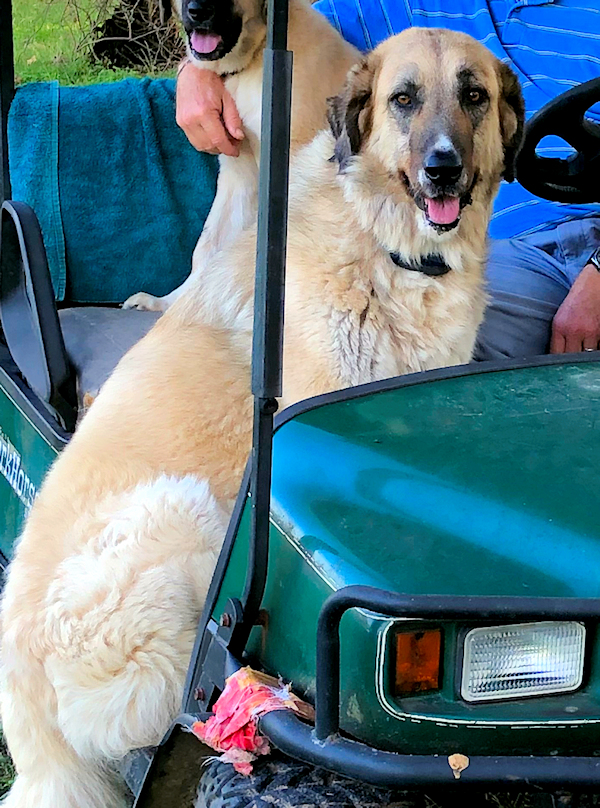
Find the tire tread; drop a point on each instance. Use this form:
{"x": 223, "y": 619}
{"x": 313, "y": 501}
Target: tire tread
{"x": 279, "y": 782}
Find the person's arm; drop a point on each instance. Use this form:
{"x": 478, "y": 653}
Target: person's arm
{"x": 576, "y": 324}
{"x": 206, "y": 112}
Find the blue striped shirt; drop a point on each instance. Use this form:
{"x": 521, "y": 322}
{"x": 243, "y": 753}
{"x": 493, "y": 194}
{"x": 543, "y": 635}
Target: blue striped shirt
{"x": 552, "y": 45}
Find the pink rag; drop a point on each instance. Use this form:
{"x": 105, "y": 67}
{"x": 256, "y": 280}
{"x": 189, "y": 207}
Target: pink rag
{"x": 233, "y": 728}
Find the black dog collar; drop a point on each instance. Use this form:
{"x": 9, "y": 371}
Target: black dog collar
{"x": 433, "y": 265}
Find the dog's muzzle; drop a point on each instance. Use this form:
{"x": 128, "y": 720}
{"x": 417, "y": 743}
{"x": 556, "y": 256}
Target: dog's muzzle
{"x": 442, "y": 174}
{"x": 203, "y": 25}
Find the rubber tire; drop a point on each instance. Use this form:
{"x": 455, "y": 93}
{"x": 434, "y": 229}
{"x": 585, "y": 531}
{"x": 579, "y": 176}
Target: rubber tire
{"x": 279, "y": 782}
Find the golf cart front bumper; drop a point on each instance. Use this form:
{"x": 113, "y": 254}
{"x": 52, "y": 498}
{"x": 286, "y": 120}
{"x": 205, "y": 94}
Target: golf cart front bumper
{"x": 390, "y": 770}
{"x": 323, "y": 746}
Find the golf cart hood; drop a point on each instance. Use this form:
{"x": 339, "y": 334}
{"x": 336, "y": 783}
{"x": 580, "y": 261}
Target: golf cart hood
{"x": 472, "y": 481}
{"x": 483, "y": 483}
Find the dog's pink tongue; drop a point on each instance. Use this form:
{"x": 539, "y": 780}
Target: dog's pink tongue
{"x": 443, "y": 211}
{"x": 204, "y": 43}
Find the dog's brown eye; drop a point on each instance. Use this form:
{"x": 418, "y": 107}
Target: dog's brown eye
{"x": 475, "y": 96}
{"x": 403, "y": 100}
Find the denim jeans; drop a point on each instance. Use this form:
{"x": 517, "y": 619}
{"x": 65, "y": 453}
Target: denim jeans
{"x": 527, "y": 280}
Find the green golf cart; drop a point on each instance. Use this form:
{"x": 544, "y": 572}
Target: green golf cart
{"x": 420, "y": 556}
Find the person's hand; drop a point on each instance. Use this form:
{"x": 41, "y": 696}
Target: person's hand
{"x": 207, "y": 113}
{"x": 576, "y": 324}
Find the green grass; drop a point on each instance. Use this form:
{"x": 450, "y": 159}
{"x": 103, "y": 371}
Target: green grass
{"x": 7, "y": 772}
{"x": 47, "y": 37}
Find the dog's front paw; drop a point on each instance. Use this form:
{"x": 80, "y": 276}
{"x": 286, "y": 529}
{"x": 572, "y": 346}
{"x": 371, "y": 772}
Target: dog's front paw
{"x": 145, "y": 302}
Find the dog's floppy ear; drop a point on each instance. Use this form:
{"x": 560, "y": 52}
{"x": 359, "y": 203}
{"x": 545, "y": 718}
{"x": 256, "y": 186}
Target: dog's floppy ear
{"x": 512, "y": 117}
{"x": 349, "y": 127}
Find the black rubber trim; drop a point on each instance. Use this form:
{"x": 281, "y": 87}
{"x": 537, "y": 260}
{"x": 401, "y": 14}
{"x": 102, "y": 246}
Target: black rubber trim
{"x": 390, "y": 770}
{"x": 269, "y": 284}
{"x": 28, "y": 312}
{"x": 427, "y": 376}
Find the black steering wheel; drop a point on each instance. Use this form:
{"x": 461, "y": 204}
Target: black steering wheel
{"x": 576, "y": 178}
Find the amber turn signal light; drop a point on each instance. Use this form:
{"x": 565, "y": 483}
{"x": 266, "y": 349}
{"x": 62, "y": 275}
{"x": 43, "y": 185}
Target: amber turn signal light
{"x": 417, "y": 662}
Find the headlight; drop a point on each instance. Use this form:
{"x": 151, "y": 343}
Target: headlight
{"x": 530, "y": 659}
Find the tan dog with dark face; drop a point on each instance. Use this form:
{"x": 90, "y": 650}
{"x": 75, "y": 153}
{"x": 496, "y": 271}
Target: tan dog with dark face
{"x": 384, "y": 277}
{"x": 447, "y": 114}
{"x": 387, "y": 238}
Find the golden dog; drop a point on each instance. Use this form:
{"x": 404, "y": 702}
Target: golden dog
{"x": 228, "y": 37}
{"x": 387, "y": 239}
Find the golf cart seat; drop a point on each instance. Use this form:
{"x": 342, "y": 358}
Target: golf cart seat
{"x": 111, "y": 201}
{"x": 64, "y": 357}
{"x": 96, "y": 337}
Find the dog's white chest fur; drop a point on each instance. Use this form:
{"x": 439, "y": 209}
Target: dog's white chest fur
{"x": 390, "y": 333}
{"x": 247, "y": 91}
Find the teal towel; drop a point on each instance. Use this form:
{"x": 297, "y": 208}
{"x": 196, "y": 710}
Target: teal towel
{"x": 120, "y": 194}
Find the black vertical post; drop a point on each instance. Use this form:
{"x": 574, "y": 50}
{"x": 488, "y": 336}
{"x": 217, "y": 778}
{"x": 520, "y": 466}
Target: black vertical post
{"x": 267, "y": 348}
{"x": 7, "y": 89}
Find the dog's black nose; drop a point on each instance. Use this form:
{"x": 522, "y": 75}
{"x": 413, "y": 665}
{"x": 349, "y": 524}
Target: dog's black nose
{"x": 196, "y": 10}
{"x": 443, "y": 167}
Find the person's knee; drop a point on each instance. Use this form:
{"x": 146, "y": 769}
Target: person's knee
{"x": 518, "y": 267}
{"x": 514, "y": 326}
{"x": 525, "y": 285}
